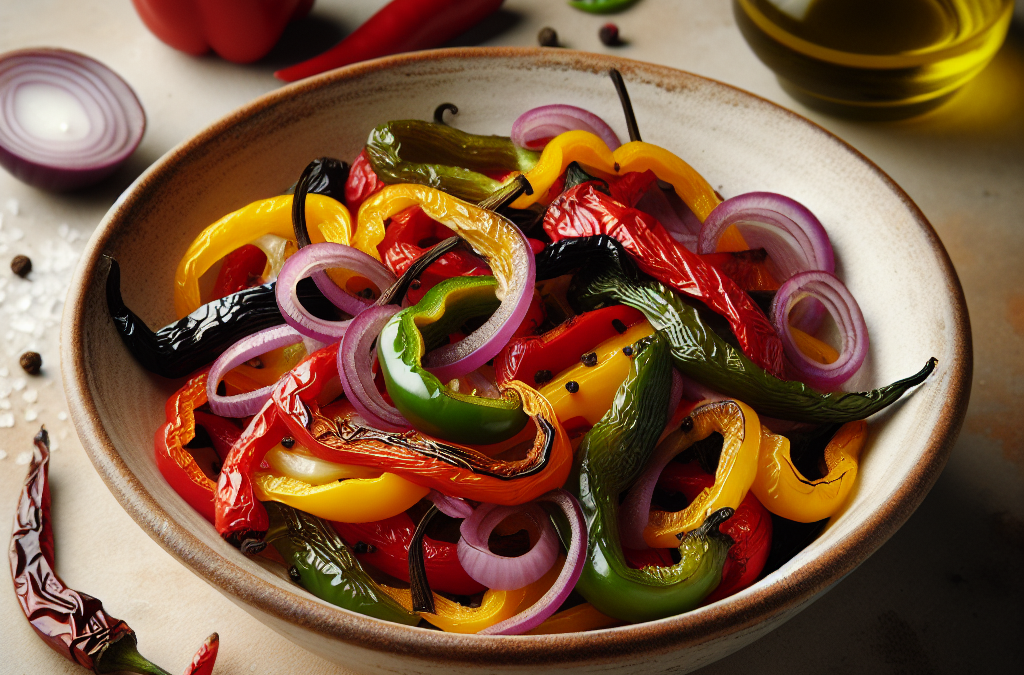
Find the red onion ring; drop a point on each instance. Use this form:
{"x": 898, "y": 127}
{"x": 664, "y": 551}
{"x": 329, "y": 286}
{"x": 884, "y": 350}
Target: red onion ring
{"x": 499, "y": 572}
{"x": 452, "y": 507}
{"x": 314, "y": 258}
{"x": 840, "y": 304}
{"x": 355, "y": 368}
{"x": 249, "y": 403}
{"x": 537, "y": 125}
{"x": 549, "y": 603}
{"x": 110, "y": 125}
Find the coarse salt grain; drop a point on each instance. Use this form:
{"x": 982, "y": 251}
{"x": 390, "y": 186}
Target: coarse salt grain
{"x": 6, "y": 420}
{"x": 13, "y": 206}
{"x": 23, "y": 458}
{"x": 30, "y": 395}
{"x": 62, "y": 415}
{"x": 3, "y": 455}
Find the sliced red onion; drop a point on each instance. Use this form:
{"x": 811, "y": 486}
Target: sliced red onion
{"x": 576, "y": 557}
{"x": 355, "y": 368}
{"x": 313, "y": 258}
{"x": 675, "y": 394}
{"x": 499, "y": 572}
{"x": 535, "y": 126}
{"x": 484, "y": 387}
{"x": 453, "y": 507}
{"x": 249, "y": 403}
{"x": 841, "y": 305}
{"x": 66, "y": 120}
{"x": 674, "y": 215}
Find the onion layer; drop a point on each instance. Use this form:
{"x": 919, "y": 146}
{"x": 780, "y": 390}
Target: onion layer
{"x": 453, "y": 507}
{"x": 841, "y": 305}
{"x": 355, "y": 368}
{"x": 534, "y": 127}
{"x": 499, "y": 572}
{"x": 249, "y": 403}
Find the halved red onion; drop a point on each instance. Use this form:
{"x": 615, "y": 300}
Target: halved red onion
{"x": 499, "y": 572}
{"x": 66, "y": 120}
{"x": 355, "y": 368}
{"x": 840, "y": 304}
{"x": 251, "y": 346}
{"x": 540, "y": 124}
{"x": 313, "y": 258}
{"x": 453, "y": 507}
{"x": 576, "y": 557}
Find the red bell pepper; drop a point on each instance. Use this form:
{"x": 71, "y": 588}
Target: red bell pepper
{"x": 362, "y": 183}
{"x": 241, "y": 269}
{"x": 241, "y": 31}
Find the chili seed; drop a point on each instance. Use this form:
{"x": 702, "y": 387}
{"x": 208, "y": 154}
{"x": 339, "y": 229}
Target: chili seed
{"x": 572, "y": 386}
{"x": 627, "y": 350}
{"x": 589, "y": 359}
{"x": 542, "y": 376}
{"x": 293, "y": 572}
{"x": 21, "y": 265}
{"x": 619, "y": 327}
{"x": 31, "y": 362}
{"x": 609, "y": 35}
{"x": 547, "y": 37}
{"x": 254, "y": 362}
{"x": 687, "y": 425}
{"x": 287, "y": 441}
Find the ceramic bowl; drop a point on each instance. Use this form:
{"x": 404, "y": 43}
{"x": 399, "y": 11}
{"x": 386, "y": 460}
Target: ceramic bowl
{"x": 888, "y": 254}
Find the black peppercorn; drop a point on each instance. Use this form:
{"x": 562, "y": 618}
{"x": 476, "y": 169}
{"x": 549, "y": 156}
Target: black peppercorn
{"x": 542, "y": 376}
{"x": 547, "y": 37}
{"x": 362, "y": 547}
{"x": 619, "y": 327}
{"x": 21, "y": 265}
{"x": 609, "y": 35}
{"x": 31, "y": 362}
{"x": 287, "y": 441}
{"x": 572, "y": 386}
{"x": 627, "y": 350}
{"x": 415, "y": 284}
{"x": 589, "y": 359}
{"x": 687, "y": 425}
{"x": 293, "y": 572}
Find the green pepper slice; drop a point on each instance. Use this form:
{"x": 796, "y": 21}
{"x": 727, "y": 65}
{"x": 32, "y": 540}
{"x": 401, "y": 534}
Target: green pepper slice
{"x": 425, "y": 401}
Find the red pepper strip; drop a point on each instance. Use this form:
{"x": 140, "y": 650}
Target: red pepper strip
{"x": 457, "y": 470}
{"x": 222, "y": 432}
{"x": 401, "y": 26}
{"x": 625, "y": 189}
{"x": 750, "y": 527}
{"x": 362, "y": 182}
{"x": 203, "y": 661}
{"x": 749, "y": 269}
{"x": 175, "y": 462}
{"x": 584, "y": 211}
{"x": 241, "y": 269}
{"x": 388, "y": 550}
{"x": 561, "y": 347}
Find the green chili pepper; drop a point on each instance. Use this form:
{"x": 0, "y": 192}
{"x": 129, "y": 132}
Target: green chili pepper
{"x": 424, "y": 400}
{"x": 602, "y": 6}
{"x": 612, "y": 456}
{"x": 323, "y": 565}
{"x": 699, "y": 353}
{"x": 442, "y": 157}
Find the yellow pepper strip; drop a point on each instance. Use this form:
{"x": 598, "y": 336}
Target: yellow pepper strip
{"x": 328, "y": 218}
{"x": 813, "y": 348}
{"x": 356, "y": 500}
{"x": 575, "y": 620}
{"x": 737, "y": 467}
{"x": 785, "y": 492}
{"x": 452, "y": 617}
{"x": 597, "y": 384}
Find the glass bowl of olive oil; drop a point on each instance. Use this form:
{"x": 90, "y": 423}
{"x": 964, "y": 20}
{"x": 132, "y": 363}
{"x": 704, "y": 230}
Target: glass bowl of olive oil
{"x": 874, "y": 58}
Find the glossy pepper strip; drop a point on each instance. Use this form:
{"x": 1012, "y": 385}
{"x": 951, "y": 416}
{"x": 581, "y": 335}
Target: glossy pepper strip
{"x": 443, "y": 157}
{"x": 611, "y": 457}
{"x": 385, "y": 545}
{"x": 602, "y": 6}
{"x": 702, "y": 355}
{"x": 268, "y": 216}
{"x": 784, "y": 491}
{"x": 429, "y": 405}
{"x": 737, "y": 466}
{"x": 71, "y": 623}
{"x": 180, "y": 348}
{"x": 322, "y": 564}
{"x": 584, "y": 210}
{"x": 458, "y": 471}
{"x": 362, "y": 182}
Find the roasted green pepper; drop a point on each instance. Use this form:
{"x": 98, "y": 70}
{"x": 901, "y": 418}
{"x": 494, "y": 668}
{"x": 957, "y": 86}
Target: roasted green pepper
{"x": 430, "y": 405}
{"x": 612, "y": 456}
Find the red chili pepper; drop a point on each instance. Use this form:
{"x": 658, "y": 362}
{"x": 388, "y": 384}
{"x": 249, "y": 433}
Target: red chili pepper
{"x": 203, "y": 661}
{"x": 362, "y": 183}
{"x": 241, "y": 31}
{"x": 750, "y": 528}
{"x": 584, "y": 211}
{"x": 386, "y": 547}
{"x": 241, "y": 269}
{"x": 400, "y": 26}
{"x": 222, "y": 432}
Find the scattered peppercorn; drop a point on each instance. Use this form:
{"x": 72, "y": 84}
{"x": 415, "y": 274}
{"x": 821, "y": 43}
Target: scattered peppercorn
{"x": 619, "y": 327}
{"x": 362, "y": 547}
{"x": 572, "y": 386}
{"x": 366, "y": 293}
{"x": 255, "y": 362}
{"x": 293, "y": 572}
{"x": 31, "y": 362}
{"x": 687, "y": 425}
{"x": 415, "y": 285}
{"x": 547, "y": 37}
{"x": 287, "y": 441}
{"x": 589, "y": 359}
{"x": 627, "y": 350}
{"x": 542, "y": 376}
{"x": 21, "y": 265}
{"x": 609, "y": 35}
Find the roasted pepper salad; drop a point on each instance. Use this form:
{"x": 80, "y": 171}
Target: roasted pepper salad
{"x": 537, "y": 383}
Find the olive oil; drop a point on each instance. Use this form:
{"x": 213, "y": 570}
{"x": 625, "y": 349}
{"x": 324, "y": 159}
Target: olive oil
{"x": 874, "y": 58}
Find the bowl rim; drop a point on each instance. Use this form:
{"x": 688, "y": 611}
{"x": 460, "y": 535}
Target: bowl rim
{"x": 757, "y": 604}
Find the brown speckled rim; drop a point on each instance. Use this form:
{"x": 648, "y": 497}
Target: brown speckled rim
{"x": 758, "y": 604}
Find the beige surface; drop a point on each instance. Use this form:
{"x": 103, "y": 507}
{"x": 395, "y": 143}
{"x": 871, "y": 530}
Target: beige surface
{"x": 943, "y": 593}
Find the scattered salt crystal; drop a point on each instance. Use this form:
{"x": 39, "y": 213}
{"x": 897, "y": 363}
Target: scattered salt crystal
{"x": 4, "y": 372}
{"x": 74, "y": 235}
{"x": 30, "y": 395}
{"x": 23, "y": 324}
{"x": 62, "y": 230}
{"x": 31, "y": 415}
{"x": 3, "y": 455}
{"x": 18, "y": 383}
{"x": 5, "y": 404}
{"x": 23, "y": 458}
{"x": 23, "y": 303}
{"x": 62, "y": 415}
{"x": 6, "y": 420}
{"x": 13, "y": 206}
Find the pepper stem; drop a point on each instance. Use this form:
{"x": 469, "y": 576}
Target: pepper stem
{"x": 440, "y": 110}
{"x": 506, "y": 194}
{"x": 627, "y": 107}
{"x": 123, "y": 655}
{"x": 422, "y": 597}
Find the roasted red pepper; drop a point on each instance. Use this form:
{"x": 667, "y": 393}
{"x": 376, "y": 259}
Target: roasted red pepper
{"x": 584, "y": 210}
{"x": 362, "y": 182}
{"x": 385, "y": 545}
{"x": 241, "y": 269}
{"x": 241, "y": 31}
